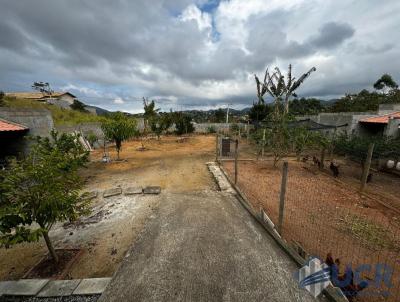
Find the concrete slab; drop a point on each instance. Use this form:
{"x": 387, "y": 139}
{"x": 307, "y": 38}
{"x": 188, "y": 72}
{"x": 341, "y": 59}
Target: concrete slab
{"x": 4, "y": 285}
{"x": 133, "y": 190}
{"x": 58, "y": 288}
{"x": 152, "y": 190}
{"x": 230, "y": 256}
{"x": 112, "y": 192}
{"x": 92, "y": 286}
{"x": 90, "y": 195}
{"x": 25, "y": 287}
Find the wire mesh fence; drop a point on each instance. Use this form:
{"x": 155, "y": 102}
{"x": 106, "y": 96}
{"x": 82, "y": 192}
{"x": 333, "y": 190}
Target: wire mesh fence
{"x": 325, "y": 215}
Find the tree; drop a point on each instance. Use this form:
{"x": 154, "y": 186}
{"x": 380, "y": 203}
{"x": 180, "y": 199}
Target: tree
{"x": 305, "y": 106}
{"x": 149, "y": 111}
{"x": 280, "y": 90}
{"x": 160, "y": 123}
{"x": 118, "y": 128}
{"x": 259, "y": 112}
{"x": 219, "y": 116}
{"x": 42, "y": 189}
{"x": 78, "y": 106}
{"x": 183, "y": 123}
{"x": 278, "y": 137}
{"x": 385, "y": 83}
{"x": 43, "y": 87}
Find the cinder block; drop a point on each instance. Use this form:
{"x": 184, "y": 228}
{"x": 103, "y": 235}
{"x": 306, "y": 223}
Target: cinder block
{"x": 25, "y": 287}
{"x": 112, "y": 192}
{"x": 152, "y": 190}
{"x": 59, "y": 288}
{"x": 134, "y": 190}
{"x": 92, "y": 286}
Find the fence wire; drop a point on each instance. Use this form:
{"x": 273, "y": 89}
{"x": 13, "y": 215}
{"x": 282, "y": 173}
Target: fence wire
{"x": 323, "y": 214}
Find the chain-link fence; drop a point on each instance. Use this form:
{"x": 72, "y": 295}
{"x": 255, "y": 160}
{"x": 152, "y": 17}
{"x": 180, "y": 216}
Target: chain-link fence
{"x": 319, "y": 214}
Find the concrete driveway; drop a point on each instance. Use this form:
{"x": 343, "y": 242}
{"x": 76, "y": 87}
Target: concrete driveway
{"x": 204, "y": 247}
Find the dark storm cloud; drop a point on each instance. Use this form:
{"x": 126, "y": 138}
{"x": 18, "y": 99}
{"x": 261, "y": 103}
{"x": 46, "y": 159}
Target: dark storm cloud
{"x": 332, "y": 34}
{"x": 146, "y": 47}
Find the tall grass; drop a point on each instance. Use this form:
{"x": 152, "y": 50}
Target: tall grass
{"x": 60, "y": 116}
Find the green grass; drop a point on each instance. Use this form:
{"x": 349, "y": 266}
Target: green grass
{"x": 370, "y": 234}
{"x": 60, "y": 116}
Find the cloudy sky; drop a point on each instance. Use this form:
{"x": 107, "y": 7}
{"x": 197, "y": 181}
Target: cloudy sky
{"x": 194, "y": 54}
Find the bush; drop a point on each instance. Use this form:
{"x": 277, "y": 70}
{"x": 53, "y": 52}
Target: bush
{"x": 183, "y": 123}
{"x": 211, "y": 129}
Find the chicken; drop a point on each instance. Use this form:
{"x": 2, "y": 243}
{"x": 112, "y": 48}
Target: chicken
{"x": 334, "y": 168}
{"x": 345, "y": 281}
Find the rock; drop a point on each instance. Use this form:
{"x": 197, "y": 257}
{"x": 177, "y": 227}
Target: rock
{"x": 133, "y": 190}
{"x": 89, "y": 195}
{"x": 112, "y": 192}
{"x": 152, "y": 190}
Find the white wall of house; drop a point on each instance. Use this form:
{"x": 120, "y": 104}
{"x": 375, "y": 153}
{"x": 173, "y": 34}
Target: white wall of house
{"x": 67, "y": 98}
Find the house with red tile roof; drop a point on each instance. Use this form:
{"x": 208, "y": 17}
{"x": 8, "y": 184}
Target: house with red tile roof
{"x": 384, "y": 121}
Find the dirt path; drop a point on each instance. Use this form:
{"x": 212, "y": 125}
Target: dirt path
{"x": 204, "y": 247}
{"x": 115, "y": 222}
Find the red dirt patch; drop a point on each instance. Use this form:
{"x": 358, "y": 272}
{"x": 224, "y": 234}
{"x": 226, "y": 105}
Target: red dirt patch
{"x": 325, "y": 215}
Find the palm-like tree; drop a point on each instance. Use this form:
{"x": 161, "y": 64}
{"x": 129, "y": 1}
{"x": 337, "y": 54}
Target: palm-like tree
{"x": 274, "y": 83}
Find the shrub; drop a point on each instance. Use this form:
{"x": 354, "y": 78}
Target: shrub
{"x": 41, "y": 190}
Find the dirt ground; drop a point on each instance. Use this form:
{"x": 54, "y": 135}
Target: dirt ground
{"x": 114, "y": 223}
{"x": 325, "y": 215}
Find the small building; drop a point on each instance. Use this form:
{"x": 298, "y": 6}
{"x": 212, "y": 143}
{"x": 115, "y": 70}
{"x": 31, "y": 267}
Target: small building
{"x": 384, "y": 121}
{"x": 387, "y": 124}
{"x": 18, "y": 123}
{"x": 11, "y": 138}
{"x": 60, "y": 99}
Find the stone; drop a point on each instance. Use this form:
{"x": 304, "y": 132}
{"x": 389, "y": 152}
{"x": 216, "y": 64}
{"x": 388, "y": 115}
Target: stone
{"x": 89, "y": 195}
{"x": 25, "y": 287}
{"x": 112, "y": 192}
{"x": 59, "y": 288}
{"x": 152, "y": 190}
{"x": 134, "y": 190}
{"x": 4, "y": 285}
{"x": 92, "y": 286}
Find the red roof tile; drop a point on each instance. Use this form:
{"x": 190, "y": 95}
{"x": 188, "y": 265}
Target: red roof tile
{"x": 10, "y": 126}
{"x": 383, "y": 119}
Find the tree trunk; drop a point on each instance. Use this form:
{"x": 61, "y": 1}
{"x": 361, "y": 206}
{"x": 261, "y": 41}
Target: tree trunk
{"x": 50, "y": 247}
{"x": 117, "y": 154}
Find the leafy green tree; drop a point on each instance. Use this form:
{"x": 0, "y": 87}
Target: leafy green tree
{"x": 259, "y": 111}
{"x": 160, "y": 124}
{"x": 183, "y": 123}
{"x": 385, "y": 83}
{"x": 41, "y": 190}
{"x": 150, "y": 111}
{"x": 78, "y": 106}
{"x": 219, "y": 116}
{"x": 305, "y": 106}
{"x": 118, "y": 128}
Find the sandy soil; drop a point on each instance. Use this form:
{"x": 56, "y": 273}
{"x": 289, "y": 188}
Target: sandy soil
{"x": 325, "y": 215}
{"x": 114, "y": 223}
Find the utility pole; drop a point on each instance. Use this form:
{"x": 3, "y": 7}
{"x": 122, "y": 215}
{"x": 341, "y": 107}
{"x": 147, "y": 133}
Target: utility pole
{"x": 227, "y": 114}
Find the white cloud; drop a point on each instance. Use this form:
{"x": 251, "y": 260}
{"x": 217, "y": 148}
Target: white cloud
{"x": 192, "y": 12}
{"x": 118, "y": 101}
